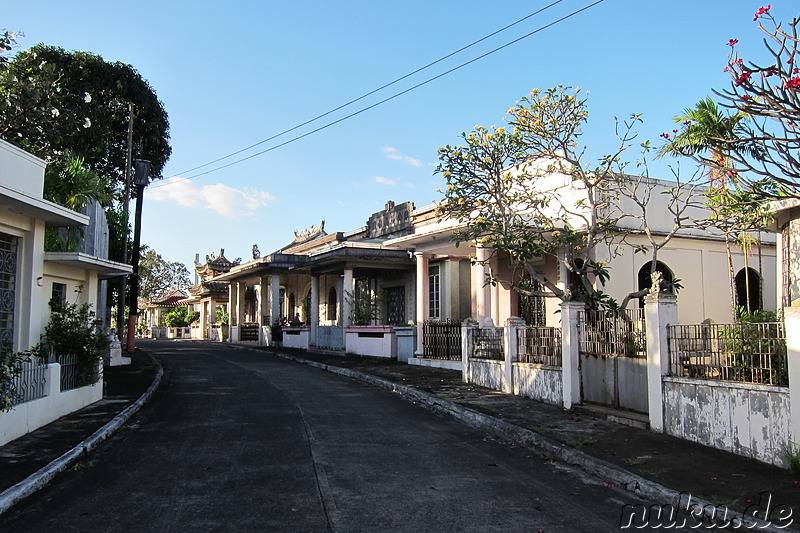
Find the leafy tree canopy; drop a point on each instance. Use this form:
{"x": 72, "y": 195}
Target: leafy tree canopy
{"x": 526, "y": 191}
{"x": 53, "y": 101}
{"x": 157, "y": 275}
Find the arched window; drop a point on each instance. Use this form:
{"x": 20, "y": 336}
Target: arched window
{"x": 291, "y": 311}
{"x": 748, "y": 289}
{"x": 531, "y": 308}
{"x": 645, "y": 281}
{"x": 330, "y": 312}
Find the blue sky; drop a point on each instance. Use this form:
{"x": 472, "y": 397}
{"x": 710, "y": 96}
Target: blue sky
{"x": 233, "y": 74}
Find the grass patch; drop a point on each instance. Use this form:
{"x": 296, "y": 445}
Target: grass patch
{"x": 634, "y": 461}
{"x": 577, "y": 443}
{"x": 793, "y": 460}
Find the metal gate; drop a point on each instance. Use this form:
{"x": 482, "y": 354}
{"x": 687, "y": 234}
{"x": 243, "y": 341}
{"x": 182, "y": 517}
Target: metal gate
{"x": 441, "y": 340}
{"x": 613, "y": 358}
{"x": 249, "y": 332}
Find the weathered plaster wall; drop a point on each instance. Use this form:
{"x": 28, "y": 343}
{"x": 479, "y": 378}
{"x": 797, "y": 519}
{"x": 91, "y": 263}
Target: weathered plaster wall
{"x": 539, "y": 382}
{"x": 746, "y": 419}
{"x": 486, "y": 373}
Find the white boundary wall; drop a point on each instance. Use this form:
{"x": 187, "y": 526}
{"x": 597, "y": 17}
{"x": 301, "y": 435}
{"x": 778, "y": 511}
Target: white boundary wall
{"x": 29, "y": 416}
{"x": 742, "y": 418}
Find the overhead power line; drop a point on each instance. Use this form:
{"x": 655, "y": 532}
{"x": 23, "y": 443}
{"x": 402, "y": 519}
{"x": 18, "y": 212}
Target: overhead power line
{"x": 381, "y": 102}
{"x": 370, "y": 93}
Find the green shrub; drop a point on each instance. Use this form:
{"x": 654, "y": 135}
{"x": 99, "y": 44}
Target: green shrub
{"x": 74, "y": 330}
{"x": 753, "y": 337}
{"x": 179, "y": 317}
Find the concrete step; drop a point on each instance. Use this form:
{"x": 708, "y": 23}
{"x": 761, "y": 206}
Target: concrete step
{"x": 628, "y": 418}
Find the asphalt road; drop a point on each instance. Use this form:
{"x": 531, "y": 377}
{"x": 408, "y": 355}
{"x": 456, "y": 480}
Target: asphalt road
{"x": 236, "y": 440}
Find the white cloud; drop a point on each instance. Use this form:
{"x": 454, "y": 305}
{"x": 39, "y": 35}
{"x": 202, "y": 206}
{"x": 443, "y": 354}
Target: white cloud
{"x": 385, "y": 181}
{"x": 220, "y": 198}
{"x": 392, "y": 153}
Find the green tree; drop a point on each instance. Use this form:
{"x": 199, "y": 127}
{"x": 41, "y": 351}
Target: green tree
{"x": 74, "y": 330}
{"x": 54, "y": 100}
{"x": 180, "y": 317}
{"x": 69, "y": 183}
{"x": 709, "y": 135}
{"x": 157, "y": 275}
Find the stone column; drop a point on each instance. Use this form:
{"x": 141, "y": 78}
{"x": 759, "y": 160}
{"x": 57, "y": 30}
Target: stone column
{"x": 482, "y": 298}
{"x": 275, "y": 298}
{"x": 240, "y": 302}
{"x": 232, "y": 293}
{"x": 314, "y": 311}
{"x": 570, "y": 353}
{"x": 467, "y": 326}
{"x": 792, "y": 318}
{"x": 348, "y": 292}
{"x": 422, "y": 296}
{"x": 660, "y": 311}
{"x": 261, "y": 310}
{"x": 203, "y": 320}
{"x": 510, "y": 350}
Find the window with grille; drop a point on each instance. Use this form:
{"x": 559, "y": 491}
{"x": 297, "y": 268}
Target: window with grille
{"x": 434, "y": 292}
{"x": 330, "y": 311}
{"x": 58, "y": 297}
{"x": 8, "y": 281}
{"x": 395, "y": 305}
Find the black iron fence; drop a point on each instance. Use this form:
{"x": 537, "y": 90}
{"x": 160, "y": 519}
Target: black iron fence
{"x": 69, "y": 371}
{"x": 441, "y": 340}
{"x": 29, "y": 383}
{"x": 541, "y": 345}
{"x": 609, "y": 333}
{"x": 487, "y": 343}
{"x": 748, "y": 353}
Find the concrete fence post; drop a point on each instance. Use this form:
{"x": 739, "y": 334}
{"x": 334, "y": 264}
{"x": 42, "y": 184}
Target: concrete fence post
{"x": 570, "y": 353}
{"x": 510, "y": 349}
{"x": 791, "y": 316}
{"x": 52, "y": 380}
{"x": 660, "y": 311}
{"x": 466, "y": 347}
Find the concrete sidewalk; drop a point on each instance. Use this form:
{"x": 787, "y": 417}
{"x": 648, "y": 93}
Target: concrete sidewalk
{"x": 660, "y": 468}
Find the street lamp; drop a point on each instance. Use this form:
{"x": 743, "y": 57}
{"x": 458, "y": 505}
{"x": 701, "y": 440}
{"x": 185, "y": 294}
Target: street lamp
{"x": 141, "y": 176}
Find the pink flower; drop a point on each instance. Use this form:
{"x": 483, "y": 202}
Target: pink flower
{"x": 762, "y": 11}
{"x": 687, "y": 122}
{"x": 732, "y": 42}
{"x": 793, "y": 83}
{"x": 665, "y": 135}
{"x": 747, "y": 97}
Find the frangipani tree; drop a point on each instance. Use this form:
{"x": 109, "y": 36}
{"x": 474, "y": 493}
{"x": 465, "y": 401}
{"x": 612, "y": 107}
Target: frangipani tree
{"x": 528, "y": 193}
{"x": 769, "y": 93}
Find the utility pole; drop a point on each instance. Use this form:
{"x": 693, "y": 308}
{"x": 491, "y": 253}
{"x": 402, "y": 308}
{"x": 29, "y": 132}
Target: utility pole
{"x": 141, "y": 179}
{"x": 125, "y": 201}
